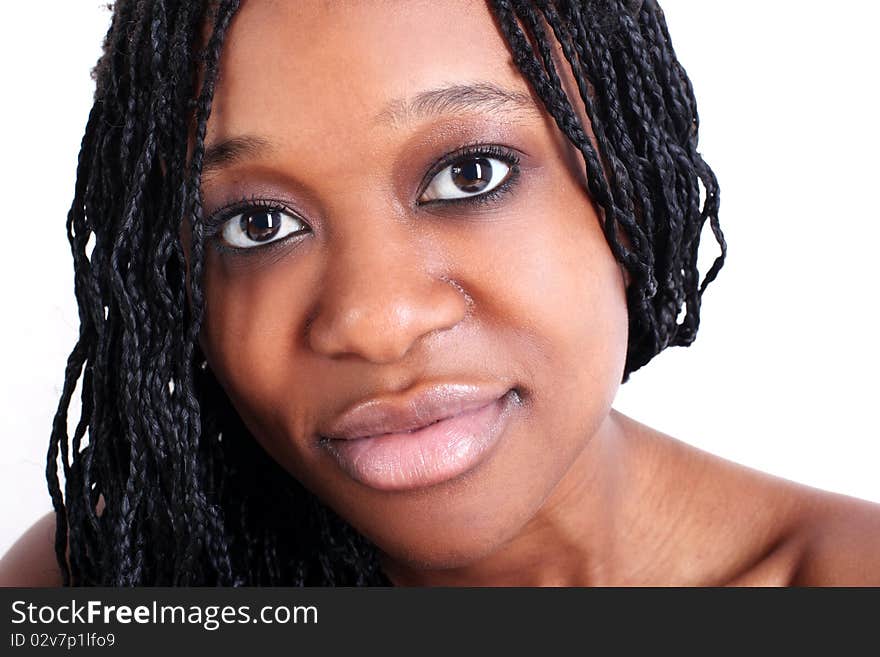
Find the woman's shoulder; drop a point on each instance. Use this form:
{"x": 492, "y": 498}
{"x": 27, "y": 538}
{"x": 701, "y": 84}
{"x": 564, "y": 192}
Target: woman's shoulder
{"x": 765, "y": 530}
{"x": 813, "y": 537}
{"x": 31, "y": 560}
{"x": 840, "y": 536}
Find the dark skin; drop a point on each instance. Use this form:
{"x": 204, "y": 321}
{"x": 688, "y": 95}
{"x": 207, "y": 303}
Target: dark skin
{"x": 381, "y": 292}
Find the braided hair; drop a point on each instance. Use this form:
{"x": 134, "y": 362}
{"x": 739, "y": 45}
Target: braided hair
{"x": 190, "y": 497}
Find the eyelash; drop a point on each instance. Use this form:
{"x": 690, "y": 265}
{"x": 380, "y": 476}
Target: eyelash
{"x": 506, "y": 155}
{"x": 215, "y": 222}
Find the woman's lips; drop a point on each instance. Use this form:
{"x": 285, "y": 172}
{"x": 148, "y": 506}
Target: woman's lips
{"x": 423, "y": 457}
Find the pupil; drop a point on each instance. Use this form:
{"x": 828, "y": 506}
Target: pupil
{"x": 473, "y": 176}
{"x": 261, "y": 226}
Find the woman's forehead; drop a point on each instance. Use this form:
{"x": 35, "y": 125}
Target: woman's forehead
{"x": 298, "y": 71}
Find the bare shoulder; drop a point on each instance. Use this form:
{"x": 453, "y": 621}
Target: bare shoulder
{"x": 31, "y": 560}
{"x": 811, "y": 537}
{"x": 841, "y": 543}
{"x": 764, "y": 530}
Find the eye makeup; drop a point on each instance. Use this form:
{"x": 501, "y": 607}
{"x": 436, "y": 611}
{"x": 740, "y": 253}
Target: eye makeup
{"x": 473, "y": 151}
{"x": 217, "y": 220}
{"x": 214, "y": 223}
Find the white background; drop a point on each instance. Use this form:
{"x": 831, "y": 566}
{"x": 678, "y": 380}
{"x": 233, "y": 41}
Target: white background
{"x": 783, "y": 374}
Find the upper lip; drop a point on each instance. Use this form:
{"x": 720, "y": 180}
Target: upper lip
{"x": 399, "y": 412}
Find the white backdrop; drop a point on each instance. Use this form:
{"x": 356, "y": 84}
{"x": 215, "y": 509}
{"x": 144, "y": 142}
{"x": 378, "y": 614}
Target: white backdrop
{"x": 783, "y": 374}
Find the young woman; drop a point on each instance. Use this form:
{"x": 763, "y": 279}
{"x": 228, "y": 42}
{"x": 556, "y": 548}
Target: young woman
{"x": 358, "y": 283}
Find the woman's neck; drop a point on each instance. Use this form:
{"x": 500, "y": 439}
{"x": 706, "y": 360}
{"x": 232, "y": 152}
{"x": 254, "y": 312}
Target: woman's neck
{"x": 636, "y": 508}
{"x": 581, "y": 532}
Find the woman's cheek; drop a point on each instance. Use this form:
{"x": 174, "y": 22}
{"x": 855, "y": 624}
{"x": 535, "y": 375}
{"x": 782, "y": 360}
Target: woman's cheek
{"x": 249, "y": 330}
{"x": 565, "y": 288}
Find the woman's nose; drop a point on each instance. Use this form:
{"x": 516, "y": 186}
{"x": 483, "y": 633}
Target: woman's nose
{"x": 378, "y": 298}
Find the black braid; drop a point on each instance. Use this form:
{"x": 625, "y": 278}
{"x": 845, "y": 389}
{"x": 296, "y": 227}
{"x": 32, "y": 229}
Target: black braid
{"x": 647, "y": 174}
{"x": 191, "y": 498}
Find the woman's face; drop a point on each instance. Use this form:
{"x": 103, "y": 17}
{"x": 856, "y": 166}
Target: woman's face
{"x": 375, "y": 284}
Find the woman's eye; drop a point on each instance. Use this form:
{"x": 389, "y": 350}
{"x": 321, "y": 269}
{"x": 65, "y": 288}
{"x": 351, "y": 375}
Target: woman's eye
{"x": 469, "y": 176}
{"x": 259, "y": 226}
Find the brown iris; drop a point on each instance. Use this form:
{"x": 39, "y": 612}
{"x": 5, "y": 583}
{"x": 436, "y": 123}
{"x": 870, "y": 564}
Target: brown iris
{"x": 473, "y": 176}
{"x": 261, "y": 225}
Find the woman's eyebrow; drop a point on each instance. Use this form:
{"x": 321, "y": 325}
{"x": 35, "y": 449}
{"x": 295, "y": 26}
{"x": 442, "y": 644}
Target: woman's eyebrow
{"x": 227, "y": 152}
{"x": 477, "y": 97}
{"x": 467, "y": 97}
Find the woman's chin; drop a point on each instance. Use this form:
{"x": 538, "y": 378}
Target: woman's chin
{"x": 409, "y": 558}
{"x": 445, "y": 537}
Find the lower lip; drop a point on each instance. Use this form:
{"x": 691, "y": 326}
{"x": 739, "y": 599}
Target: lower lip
{"x": 431, "y": 455}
